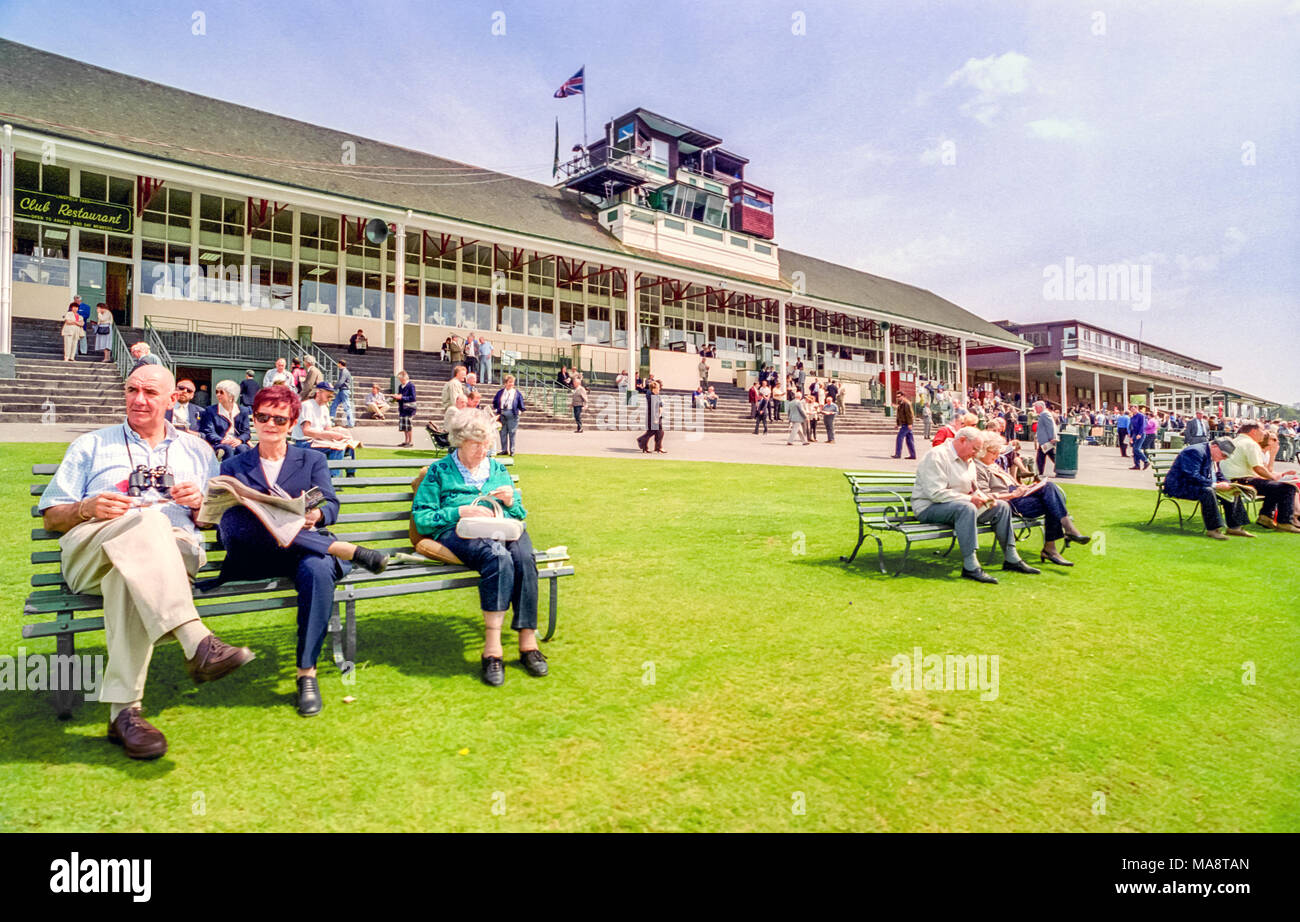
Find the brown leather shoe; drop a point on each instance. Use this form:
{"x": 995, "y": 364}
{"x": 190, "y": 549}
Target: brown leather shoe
{"x": 140, "y": 739}
{"x": 215, "y": 658}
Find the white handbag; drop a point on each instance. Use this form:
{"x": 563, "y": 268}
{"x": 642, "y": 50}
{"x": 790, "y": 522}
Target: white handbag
{"x": 496, "y": 528}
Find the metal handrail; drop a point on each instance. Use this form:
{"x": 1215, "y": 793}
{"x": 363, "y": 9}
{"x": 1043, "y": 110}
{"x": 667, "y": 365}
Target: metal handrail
{"x": 328, "y": 366}
{"x": 121, "y": 355}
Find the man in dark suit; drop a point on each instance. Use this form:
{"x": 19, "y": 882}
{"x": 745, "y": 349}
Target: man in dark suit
{"x": 225, "y": 425}
{"x": 1197, "y": 432}
{"x": 1195, "y": 475}
{"x": 248, "y": 389}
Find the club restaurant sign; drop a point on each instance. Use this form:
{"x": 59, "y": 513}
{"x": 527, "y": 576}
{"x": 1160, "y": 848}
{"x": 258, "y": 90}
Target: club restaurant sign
{"x": 77, "y": 212}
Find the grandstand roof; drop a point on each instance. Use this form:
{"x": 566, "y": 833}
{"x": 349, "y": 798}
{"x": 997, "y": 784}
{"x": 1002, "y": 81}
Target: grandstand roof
{"x": 60, "y": 96}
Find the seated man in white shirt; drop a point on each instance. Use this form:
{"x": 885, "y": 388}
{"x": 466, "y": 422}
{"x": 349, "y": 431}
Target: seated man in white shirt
{"x": 316, "y": 424}
{"x": 125, "y": 498}
{"x": 945, "y": 494}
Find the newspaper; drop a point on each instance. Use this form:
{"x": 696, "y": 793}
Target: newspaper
{"x": 284, "y": 516}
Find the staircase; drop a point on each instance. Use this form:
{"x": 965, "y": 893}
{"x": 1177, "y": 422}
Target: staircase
{"x": 51, "y": 391}
{"x": 428, "y": 374}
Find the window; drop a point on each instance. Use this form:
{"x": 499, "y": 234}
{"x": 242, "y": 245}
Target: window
{"x": 318, "y": 264}
{"x": 1039, "y": 337}
{"x": 35, "y": 176}
{"x": 221, "y": 249}
{"x": 101, "y": 188}
{"x": 40, "y": 254}
{"x": 363, "y": 294}
{"x": 659, "y": 150}
{"x": 440, "y": 303}
{"x": 165, "y": 229}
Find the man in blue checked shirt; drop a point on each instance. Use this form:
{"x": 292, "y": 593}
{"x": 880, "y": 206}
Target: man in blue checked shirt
{"x": 125, "y": 499}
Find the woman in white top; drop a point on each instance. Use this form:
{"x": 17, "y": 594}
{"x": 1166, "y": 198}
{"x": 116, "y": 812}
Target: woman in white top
{"x": 72, "y": 331}
{"x": 104, "y": 341}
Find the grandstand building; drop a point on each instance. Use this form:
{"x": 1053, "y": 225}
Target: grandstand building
{"x": 178, "y": 209}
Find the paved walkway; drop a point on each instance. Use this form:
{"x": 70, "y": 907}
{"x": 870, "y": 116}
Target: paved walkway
{"x": 1098, "y": 466}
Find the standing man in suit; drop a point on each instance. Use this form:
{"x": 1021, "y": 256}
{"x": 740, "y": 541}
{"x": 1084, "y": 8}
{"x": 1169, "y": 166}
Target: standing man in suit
{"x": 248, "y": 389}
{"x": 1046, "y": 437}
{"x": 794, "y": 411}
{"x": 315, "y": 560}
{"x": 224, "y": 425}
{"x": 904, "y": 419}
{"x": 1137, "y": 424}
{"x": 1196, "y": 431}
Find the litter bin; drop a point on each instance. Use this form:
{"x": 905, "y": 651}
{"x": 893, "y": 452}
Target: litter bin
{"x": 1067, "y": 453}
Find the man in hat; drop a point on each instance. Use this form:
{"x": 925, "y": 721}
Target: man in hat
{"x": 310, "y": 378}
{"x": 1195, "y": 475}
{"x": 317, "y": 424}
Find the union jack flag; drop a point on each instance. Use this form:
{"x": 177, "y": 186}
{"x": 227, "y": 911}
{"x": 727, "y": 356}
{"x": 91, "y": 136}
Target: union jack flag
{"x": 572, "y": 86}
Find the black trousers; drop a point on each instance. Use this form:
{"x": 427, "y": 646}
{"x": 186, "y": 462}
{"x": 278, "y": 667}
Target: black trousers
{"x": 657, "y": 434}
{"x": 1233, "y": 506}
{"x": 577, "y": 417}
{"x": 1122, "y": 437}
{"x": 1042, "y": 457}
{"x": 1274, "y": 495}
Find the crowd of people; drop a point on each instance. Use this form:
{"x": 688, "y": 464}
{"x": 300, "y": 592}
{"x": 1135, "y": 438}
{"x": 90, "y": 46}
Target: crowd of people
{"x": 805, "y": 400}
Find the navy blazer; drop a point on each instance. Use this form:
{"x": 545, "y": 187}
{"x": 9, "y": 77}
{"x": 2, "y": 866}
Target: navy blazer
{"x": 517, "y": 408}
{"x": 303, "y": 469}
{"x": 213, "y": 426}
{"x": 1192, "y": 472}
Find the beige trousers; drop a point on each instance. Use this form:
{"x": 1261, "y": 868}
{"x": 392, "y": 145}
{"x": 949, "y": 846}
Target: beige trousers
{"x": 142, "y": 566}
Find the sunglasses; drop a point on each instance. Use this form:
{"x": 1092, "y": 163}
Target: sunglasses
{"x": 187, "y": 390}
{"x": 265, "y": 418}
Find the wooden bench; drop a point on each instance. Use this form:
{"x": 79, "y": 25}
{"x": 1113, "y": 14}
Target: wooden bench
{"x": 1162, "y": 459}
{"x": 384, "y": 491}
{"x": 884, "y": 506}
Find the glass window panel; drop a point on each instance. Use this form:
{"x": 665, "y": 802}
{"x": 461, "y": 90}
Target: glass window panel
{"x": 120, "y": 191}
{"x": 92, "y": 242}
{"x": 119, "y": 245}
{"x": 94, "y": 186}
{"x": 27, "y": 175}
{"x": 57, "y": 180}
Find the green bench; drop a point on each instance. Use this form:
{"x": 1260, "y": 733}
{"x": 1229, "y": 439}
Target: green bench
{"x": 1162, "y": 459}
{"x": 384, "y": 489}
{"x": 883, "y": 502}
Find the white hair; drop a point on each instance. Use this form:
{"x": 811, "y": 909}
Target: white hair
{"x": 227, "y": 387}
{"x": 970, "y": 434}
{"x": 1039, "y": 406}
{"x": 990, "y": 438}
{"x": 465, "y": 425}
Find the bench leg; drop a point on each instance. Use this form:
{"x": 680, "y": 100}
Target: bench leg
{"x": 948, "y": 550}
{"x": 336, "y": 638}
{"x": 1159, "y": 497}
{"x": 880, "y": 555}
{"x": 65, "y": 698}
{"x": 350, "y": 633}
{"x": 861, "y": 537}
{"x": 553, "y": 609}
{"x": 903, "y": 564}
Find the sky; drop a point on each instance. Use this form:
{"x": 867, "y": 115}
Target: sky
{"x": 979, "y": 150}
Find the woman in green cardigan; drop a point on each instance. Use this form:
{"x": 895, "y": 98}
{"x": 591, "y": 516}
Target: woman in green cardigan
{"x": 508, "y": 573}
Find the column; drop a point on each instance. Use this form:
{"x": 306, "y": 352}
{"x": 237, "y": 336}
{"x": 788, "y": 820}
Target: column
{"x": 780, "y": 339}
{"x": 889, "y": 367}
{"x": 1096, "y": 391}
{"x": 1125, "y": 401}
{"x": 399, "y": 305}
{"x": 1023, "y": 392}
{"x": 1063, "y": 387}
{"x": 964, "y": 386}
{"x": 7, "y": 252}
{"x": 629, "y": 291}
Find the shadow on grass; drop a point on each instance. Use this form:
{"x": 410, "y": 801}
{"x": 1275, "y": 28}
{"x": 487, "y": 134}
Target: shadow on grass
{"x": 414, "y": 643}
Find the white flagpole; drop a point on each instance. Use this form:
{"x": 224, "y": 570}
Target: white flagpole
{"x": 584, "y": 106}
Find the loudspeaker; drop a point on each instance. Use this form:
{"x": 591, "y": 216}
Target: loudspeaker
{"x": 376, "y": 231}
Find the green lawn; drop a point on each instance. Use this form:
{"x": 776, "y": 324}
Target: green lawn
{"x": 715, "y": 663}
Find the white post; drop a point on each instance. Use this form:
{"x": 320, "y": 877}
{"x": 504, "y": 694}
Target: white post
{"x": 1023, "y": 393}
{"x": 1096, "y": 391}
{"x": 780, "y": 340}
{"x": 399, "y": 304}
{"x": 965, "y": 386}
{"x": 889, "y": 367}
{"x": 633, "y": 359}
{"x": 7, "y": 242}
{"x": 1125, "y": 379}
{"x": 1063, "y": 374}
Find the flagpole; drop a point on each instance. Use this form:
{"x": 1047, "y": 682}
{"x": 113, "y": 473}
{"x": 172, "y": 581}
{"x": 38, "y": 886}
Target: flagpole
{"x": 584, "y": 107}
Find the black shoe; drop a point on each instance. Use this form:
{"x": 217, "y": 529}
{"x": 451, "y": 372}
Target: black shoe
{"x": 1077, "y": 539}
{"x": 373, "y": 560}
{"x": 978, "y": 575}
{"x": 1055, "y": 558}
{"x": 494, "y": 671}
{"x": 1020, "y": 567}
{"x": 309, "y": 701}
{"x": 534, "y": 662}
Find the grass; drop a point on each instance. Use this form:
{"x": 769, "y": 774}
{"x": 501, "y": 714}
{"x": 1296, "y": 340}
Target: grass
{"x": 713, "y": 662}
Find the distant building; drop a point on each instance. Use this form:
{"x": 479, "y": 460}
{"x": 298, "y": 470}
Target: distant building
{"x": 1074, "y": 362}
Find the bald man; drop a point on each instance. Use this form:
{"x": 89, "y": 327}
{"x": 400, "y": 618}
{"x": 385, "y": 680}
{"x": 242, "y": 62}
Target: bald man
{"x": 130, "y": 536}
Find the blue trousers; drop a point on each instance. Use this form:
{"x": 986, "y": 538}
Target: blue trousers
{"x": 343, "y": 397}
{"x": 904, "y": 432}
{"x": 509, "y": 425}
{"x": 1049, "y": 502}
{"x": 507, "y": 571}
{"x": 251, "y": 553}
{"x": 1139, "y": 456}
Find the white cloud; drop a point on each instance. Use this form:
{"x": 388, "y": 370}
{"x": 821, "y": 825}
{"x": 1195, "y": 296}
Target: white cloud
{"x": 919, "y": 254}
{"x": 1058, "y": 129}
{"x": 994, "y": 79}
{"x": 1233, "y": 238}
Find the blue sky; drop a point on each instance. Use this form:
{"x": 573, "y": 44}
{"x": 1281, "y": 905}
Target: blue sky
{"x": 963, "y": 147}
